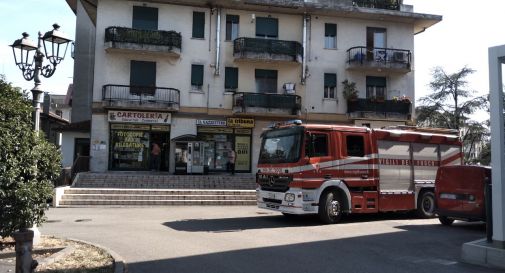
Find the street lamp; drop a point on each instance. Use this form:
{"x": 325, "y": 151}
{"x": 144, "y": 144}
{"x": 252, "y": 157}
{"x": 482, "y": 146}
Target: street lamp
{"x": 29, "y": 57}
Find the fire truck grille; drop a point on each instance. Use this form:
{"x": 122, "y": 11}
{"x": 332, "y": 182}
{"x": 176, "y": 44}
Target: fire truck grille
{"x": 275, "y": 183}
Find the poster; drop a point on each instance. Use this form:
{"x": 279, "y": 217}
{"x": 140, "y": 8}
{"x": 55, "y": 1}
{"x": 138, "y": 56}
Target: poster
{"x": 243, "y": 153}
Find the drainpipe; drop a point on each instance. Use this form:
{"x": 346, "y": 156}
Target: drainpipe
{"x": 218, "y": 41}
{"x": 304, "y": 44}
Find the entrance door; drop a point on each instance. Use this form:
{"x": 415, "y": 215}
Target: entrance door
{"x": 81, "y": 147}
{"x": 376, "y": 44}
{"x": 162, "y": 139}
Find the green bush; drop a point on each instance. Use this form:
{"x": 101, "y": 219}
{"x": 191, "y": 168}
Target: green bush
{"x": 28, "y": 164}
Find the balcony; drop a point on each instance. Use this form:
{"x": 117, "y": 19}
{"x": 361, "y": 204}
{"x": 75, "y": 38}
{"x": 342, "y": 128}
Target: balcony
{"x": 388, "y": 109}
{"x": 262, "y": 104}
{"x": 124, "y": 39}
{"x": 378, "y": 4}
{"x": 140, "y": 97}
{"x": 267, "y": 50}
{"x": 382, "y": 59}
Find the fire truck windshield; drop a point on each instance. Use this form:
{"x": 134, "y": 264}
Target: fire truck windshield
{"x": 281, "y": 145}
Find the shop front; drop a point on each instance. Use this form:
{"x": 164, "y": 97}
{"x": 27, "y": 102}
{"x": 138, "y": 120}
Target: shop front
{"x": 211, "y": 149}
{"x": 140, "y": 141}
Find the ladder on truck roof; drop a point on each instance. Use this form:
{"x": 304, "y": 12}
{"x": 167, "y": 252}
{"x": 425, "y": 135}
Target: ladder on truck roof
{"x": 423, "y": 129}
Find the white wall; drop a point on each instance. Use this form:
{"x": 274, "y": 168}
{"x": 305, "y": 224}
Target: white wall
{"x": 68, "y": 145}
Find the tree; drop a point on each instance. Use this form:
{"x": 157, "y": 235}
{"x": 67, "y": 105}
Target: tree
{"x": 450, "y": 106}
{"x": 28, "y": 164}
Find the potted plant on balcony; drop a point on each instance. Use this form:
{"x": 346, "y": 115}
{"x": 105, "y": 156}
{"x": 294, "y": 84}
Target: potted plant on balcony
{"x": 350, "y": 92}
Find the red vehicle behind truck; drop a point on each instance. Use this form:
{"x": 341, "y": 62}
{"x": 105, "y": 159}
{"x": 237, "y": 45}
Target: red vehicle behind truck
{"x": 460, "y": 193}
{"x": 330, "y": 170}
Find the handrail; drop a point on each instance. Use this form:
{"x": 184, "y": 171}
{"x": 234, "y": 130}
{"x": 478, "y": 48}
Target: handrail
{"x": 141, "y": 36}
{"x": 386, "y": 106}
{"x": 141, "y": 94}
{"x": 271, "y": 46}
{"x": 265, "y": 100}
{"x": 378, "y": 4}
{"x": 379, "y": 55}
{"x": 81, "y": 164}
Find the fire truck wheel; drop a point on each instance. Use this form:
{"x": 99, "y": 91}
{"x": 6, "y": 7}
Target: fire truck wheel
{"x": 426, "y": 205}
{"x": 445, "y": 221}
{"x": 330, "y": 208}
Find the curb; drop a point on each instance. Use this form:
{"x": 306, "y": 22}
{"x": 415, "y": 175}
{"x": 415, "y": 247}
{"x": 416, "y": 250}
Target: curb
{"x": 119, "y": 262}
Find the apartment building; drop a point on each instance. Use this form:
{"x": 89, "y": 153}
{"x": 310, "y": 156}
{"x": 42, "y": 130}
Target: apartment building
{"x": 202, "y": 78}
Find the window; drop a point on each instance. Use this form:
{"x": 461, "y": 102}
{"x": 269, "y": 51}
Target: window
{"x": 198, "y": 25}
{"x": 376, "y": 44}
{"x": 231, "y": 27}
{"x": 330, "y": 85}
{"x": 266, "y": 81}
{"x": 376, "y": 88}
{"x": 230, "y": 78}
{"x": 317, "y": 145}
{"x": 145, "y": 18}
{"x": 355, "y": 146}
{"x": 142, "y": 77}
{"x": 330, "y": 36}
{"x": 196, "y": 76}
{"x": 267, "y": 27}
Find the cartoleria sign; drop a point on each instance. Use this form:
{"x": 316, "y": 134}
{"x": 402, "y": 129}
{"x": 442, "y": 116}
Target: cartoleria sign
{"x": 140, "y": 117}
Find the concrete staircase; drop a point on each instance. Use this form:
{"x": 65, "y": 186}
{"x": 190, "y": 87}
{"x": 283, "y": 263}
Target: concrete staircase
{"x": 158, "y": 189}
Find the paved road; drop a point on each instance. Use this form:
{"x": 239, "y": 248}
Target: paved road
{"x": 247, "y": 239}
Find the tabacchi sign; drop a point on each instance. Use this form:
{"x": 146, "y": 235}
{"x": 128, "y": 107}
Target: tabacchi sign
{"x": 140, "y": 117}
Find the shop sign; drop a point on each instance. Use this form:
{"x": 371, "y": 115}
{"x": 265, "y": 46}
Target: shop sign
{"x": 240, "y": 122}
{"x": 130, "y": 127}
{"x": 243, "y": 131}
{"x": 140, "y": 117}
{"x": 210, "y": 122}
{"x": 215, "y": 130}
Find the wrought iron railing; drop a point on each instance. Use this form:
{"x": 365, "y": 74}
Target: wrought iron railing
{"x": 113, "y": 93}
{"x": 377, "y": 106}
{"x": 170, "y": 39}
{"x": 378, "y": 56}
{"x": 270, "y": 101}
{"x": 378, "y": 4}
{"x": 242, "y": 46}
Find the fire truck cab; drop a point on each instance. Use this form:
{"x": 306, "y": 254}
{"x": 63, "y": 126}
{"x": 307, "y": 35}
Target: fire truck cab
{"x": 330, "y": 170}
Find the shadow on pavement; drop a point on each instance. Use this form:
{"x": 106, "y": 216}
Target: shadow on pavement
{"x": 411, "y": 248}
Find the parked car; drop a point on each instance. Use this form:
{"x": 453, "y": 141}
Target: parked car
{"x": 460, "y": 193}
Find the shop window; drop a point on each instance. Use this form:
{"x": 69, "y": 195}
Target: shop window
{"x": 376, "y": 88}
{"x": 266, "y": 81}
{"x": 231, "y": 78}
{"x": 198, "y": 25}
{"x": 145, "y": 18}
{"x": 330, "y": 36}
{"x": 196, "y": 76}
{"x": 142, "y": 78}
{"x": 355, "y": 146}
{"x": 231, "y": 27}
{"x": 267, "y": 28}
{"x": 330, "y": 85}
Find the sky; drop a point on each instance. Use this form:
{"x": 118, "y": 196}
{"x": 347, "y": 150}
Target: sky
{"x": 462, "y": 38}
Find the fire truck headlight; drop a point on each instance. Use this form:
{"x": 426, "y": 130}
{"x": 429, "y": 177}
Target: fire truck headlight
{"x": 289, "y": 197}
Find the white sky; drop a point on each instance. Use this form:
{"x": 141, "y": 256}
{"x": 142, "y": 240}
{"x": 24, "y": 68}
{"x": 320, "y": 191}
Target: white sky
{"x": 463, "y": 37}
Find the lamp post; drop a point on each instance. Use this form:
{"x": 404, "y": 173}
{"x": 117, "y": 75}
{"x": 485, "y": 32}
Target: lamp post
{"x": 29, "y": 59}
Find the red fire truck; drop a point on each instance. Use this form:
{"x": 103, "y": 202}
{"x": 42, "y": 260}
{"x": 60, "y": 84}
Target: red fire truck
{"x": 330, "y": 170}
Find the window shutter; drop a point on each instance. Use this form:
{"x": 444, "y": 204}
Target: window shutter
{"x": 231, "y": 78}
{"x": 330, "y": 30}
{"x": 145, "y": 18}
{"x": 197, "y": 74}
{"x": 330, "y": 80}
{"x": 375, "y": 81}
{"x": 267, "y": 27}
{"x": 265, "y": 74}
{"x": 198, "y": 24}
{"x": 142, "y": 73}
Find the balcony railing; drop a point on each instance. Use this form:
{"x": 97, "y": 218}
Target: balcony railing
{"x": 267, "y": 49}
{"x": 378, "y": 57}
{"x": 378, "y": 4}
{"x": 119, "y": 36}
{"x": 144, "y": 96}
{"x": 363, "y": 108}
{"x": 246, "y": 102}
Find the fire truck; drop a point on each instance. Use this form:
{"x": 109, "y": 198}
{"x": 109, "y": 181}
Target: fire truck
{"x": 331, "y": 170}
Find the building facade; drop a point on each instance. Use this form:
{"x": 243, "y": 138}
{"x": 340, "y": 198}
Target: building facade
{"x": 203, "y": 78}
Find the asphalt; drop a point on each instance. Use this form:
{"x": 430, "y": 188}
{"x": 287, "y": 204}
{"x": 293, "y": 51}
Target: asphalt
{"x": 247, "y": 239}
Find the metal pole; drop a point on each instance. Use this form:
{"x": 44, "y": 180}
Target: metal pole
{"x": 489, "y": 212}
{"x": 37, "y": 93}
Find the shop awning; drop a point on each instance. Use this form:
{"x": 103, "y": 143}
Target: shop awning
{"x": 187, "y": 137}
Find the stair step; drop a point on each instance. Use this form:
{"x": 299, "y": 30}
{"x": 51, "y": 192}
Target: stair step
{"x": 157, "y": 191}
{"x": 154, "y": 197}
{"x": 157, "y": 203}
